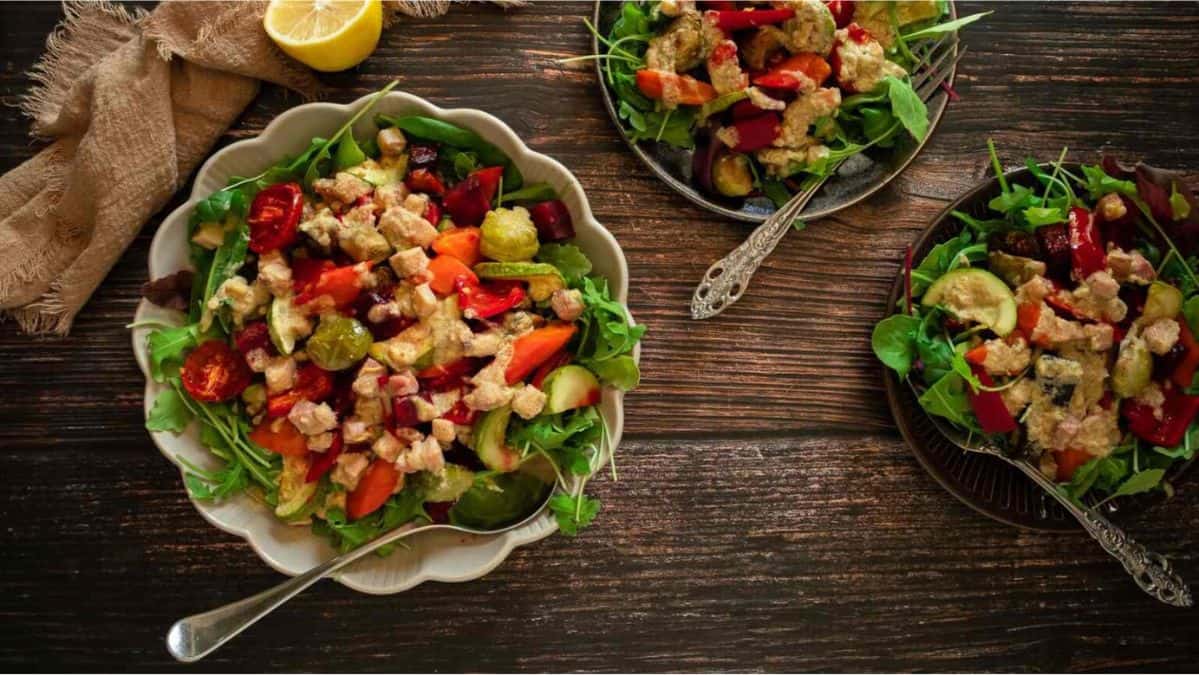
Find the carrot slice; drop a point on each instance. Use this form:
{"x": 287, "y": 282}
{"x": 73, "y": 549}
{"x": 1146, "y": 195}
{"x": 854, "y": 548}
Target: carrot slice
{"x": 674, "y": 88}
{"x": 445, "y": 269}
{"x": 374, "y": 489}
{"x": 535, "y": 348}
{"x": 461, "y": 243}
{"x": 280, "y": 437}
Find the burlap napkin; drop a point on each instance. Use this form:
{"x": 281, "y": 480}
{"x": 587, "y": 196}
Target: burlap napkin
{"x": 131, "y": 102}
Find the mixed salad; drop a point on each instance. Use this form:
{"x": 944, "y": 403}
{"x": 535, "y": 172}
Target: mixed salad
{"x": 770, "y": 95}
{"x": 388, "y": 329}
{"x": 1062, "y": 324}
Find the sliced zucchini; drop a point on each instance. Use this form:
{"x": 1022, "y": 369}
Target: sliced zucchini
{"x": 570, "y": 387}
{"x": 974, "y": 294}
{"x": 490, "y": 441}
{"x": 543, "y": 278}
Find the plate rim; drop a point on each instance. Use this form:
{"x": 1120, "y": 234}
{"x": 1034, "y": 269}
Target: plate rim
{"x": 692, "y": 195}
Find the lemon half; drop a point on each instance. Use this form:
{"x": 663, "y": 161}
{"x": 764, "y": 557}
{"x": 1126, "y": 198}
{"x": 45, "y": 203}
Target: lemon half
{"x": 327, "y": 35}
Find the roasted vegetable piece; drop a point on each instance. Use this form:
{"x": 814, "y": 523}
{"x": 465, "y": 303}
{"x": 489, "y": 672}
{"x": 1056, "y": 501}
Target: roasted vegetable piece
{"x": 731, "y": 175}
{"x": 214, "y": 372}
{"x": 534, "y": 348}
{"x": 459, "y": 242}
{"x": 1162, "y": 302}
{"x": 1086, "y": 247}
{"x": 992, "y": 413}
{"x": 374, "y": 489}
{"x": 483, "y": 301}
{"x": 1133, "y": 369}
{"x": 674, "y": 89}
{"x": 446, "y": 270}
{"x": 1177, "y": 413}
{"x": 323, "y": 461}
{"x": 755, "y": 133}
{"x": 791, "y": 73}
{"x": 280, "y": 437}
{"x": 341, "y": 284}
{"x": 1068, "y": 461}
{"x": 509, "y": 235}
{"x": 748, "y": 18}
{"x": 312, "y": 384}
{"x": 552, "y": 220}
{"x": 1055, "y": 248}
{"x": 274, "y": 217}
{"x": 842, "y": 11}
{"x": 338, "y": 343}
{"x": 469, "y": 200}
{"x": 424, "y": 180}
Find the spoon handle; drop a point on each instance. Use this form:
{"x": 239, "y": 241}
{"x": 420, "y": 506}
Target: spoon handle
{"x": 1150, "y": 570}
{"x": 192, "y": 638}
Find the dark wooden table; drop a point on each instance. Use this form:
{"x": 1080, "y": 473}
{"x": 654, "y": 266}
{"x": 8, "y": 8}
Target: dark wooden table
{"x": 768, "y": 516}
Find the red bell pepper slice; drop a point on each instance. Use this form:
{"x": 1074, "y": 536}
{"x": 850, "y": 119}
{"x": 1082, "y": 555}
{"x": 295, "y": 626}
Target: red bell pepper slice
{"x": 424, "y": 180}
{"x": 1086, "y": 244}
{"x": 1178, "y": 410}
{"x": 1184, "y": 372}
{"x": 842, "y": 11}
{"x": 748, "y": 18}
{"x": 992, "y": 413}
{"x": 341, "y": 284}
{"x": 470, "y": 200}
{"x": 757, "y": 132}
{"x": 433, "y": 212}
{"x": 1068, "y": 461}
{"x": 403, "y": 413}
{"x": 323, "y": 461}
{"x": 447, "y": 376}
{"x": 490, "y": 299}
{"x": 274, "y": 217}
{"x": 312, "y": 384}
{"x": 783, "y": 76}
{"x": 461, "y": 413}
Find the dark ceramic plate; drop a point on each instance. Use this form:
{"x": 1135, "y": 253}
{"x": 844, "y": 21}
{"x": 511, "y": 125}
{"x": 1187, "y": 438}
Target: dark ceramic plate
{"x": 985, "y": 484}
{"x": 863, "y": 176}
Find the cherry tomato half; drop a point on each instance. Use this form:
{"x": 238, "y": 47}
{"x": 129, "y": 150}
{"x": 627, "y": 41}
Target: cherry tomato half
{"x": 214, "y": 372}
{"x": 274, "y": 216}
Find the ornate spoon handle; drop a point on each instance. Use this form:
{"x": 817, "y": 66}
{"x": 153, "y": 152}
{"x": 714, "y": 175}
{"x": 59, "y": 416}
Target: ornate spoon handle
{"x": 1150, "y": 570}
{"x": 727, "y": 278}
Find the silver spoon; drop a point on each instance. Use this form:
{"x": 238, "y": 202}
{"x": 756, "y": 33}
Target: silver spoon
{"x": 1150, "y": 570}
{"x": 192, "y": 638}
{"x": 726, "y": 280}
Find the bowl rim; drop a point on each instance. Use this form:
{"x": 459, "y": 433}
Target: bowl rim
{"x": 894, "y": 387}
{"x": 495, "y": 131}
{"x": 688, "y": 191}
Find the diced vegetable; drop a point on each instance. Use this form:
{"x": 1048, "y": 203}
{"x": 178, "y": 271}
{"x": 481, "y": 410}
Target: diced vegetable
{"x": 294, "y": 490}
{"x": 374, "y": 489}
{"x": 509, "y": 235}
{"x": 1162, "y": 302}
{"x": 992, "y": 413}
{"x": 490, "y": 441}
{"x": 338, "y": 343}
{"x": 445, "y": 271}
{"x": 469, "y": 200}
{"x": 748, "y": 18}
{"x": 543, "y": 278}
{"x": 552, "y": 220}
{"x": 782, "y": 76}
{"x": 214, "y": 372}
{"x": 483, "y": 301}
{"x": 323, "y": 461}
{"x": 341, "y": 284}
{"x": 1178, "y": 412}
{"x": 570, "y": 387}
{"x": 1133, "y": 369}
{"x": 461, "y": 243}
{"x": 424, "y": 180}
{"x": 756, "y": 133}
{"x": 673, "y": 88}
{"x": 1086, "y": 248}
{"x": 731, "y": 175}
{"x": 312, "y": 384}
{"x": 1068, "y": 461}
{"x": 534, "y": 348}
{"x": 991, "y": 302}
{"x": 280, "y": 437}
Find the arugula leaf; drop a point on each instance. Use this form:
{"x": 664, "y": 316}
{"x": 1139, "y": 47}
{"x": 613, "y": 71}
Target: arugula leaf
{"x": 894, "y": 342}
{"x": 348, "y": 153}
{"x": 673, "y": 127}
{"x": 569, "y": 259}
{"x": 1036, "y": 216}
{"x": 167, "y": 346}
{"x": 215, "y": 485}
{"x": 605, "y": 332}
{"x": 229, "y": 258}
{"x": 570, "y": 439}
{"x": 1098, "y": 183}
{"x": 947, "y": 27}
{"x": 947, "y": 398}
{"x": 620, "y": 372}
{"x": 536, "y": 192}
{"x": 936, "y": 354}
{"x": 907, "y": 107}
{"x": 347, "y": 535}
{"x": 169, "y": 413}
{"x": 573, "y": 513}
{"x": 1142, "y": 481}
{"x": 944, "y": 257}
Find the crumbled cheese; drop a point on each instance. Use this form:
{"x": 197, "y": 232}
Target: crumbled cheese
{"x": 321, "y": 228}
{"x": 391, "y": 141}
{"x": 423, "y": 455}
{"x": 387, "y": 447}
{"x": 390, "y": 195}
{"x": 243, "y": 298}
{"x": 344, "y": 188}
{"x": 348, "y": 469}
{"x": 483, "y": 344}
{"x": 409, "y": 262}
{"x": 405, "y": 229}
{"x": 528, "y": 401}
{"x": 1161, "y": 335}
{"x": 357, "y": 431}
{"x": 810, "y": 29}
{"x": 402, "y": 384}
{"x": 443, "y": 431}
{"x": 312, "y": 418}
{"x": 1130, "y": 267}
{"x": 1003, "y": 358}
{"x": 274, "y": 272}
{"x": 567, "y": 304}
{"x": 863, "y": 64}
{"x": 320, "y": 442}
{"x": 424, "y": 301}
{"x": 280, "y": 374}
{"x": 358, "y": 237}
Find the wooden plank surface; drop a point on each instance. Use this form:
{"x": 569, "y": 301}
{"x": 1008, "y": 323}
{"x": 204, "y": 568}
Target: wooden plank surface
{"x": 768, "y": 516}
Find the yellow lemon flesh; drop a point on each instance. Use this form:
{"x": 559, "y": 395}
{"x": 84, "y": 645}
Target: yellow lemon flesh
{"x": 327, "y": 35}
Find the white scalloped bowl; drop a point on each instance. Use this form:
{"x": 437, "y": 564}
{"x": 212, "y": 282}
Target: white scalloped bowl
{"x": 437, "y": 556}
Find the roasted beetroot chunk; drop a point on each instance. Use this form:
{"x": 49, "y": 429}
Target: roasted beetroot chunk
{"x": 552, "y": 220}
{"x": 1055, "y": 249}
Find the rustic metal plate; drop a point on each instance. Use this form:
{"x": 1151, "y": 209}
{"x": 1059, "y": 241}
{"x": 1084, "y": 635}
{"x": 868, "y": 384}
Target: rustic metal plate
{"x": 858, "y": 179}
{"x": 983, "y": 483}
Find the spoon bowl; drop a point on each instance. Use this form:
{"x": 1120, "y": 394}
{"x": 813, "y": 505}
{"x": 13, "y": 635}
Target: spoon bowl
{"x": 194, "y": 637}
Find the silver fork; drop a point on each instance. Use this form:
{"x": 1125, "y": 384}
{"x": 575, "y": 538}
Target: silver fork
{"x": 727, "y": 278}
{"x": 1150, "y": 570}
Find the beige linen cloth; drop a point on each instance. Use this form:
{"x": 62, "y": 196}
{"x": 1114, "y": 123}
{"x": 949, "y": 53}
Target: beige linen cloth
{"x": 131, "y": 102}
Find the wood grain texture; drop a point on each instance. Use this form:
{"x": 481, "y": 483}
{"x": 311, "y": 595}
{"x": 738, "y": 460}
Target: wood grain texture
{"x": 767, "y": 518}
